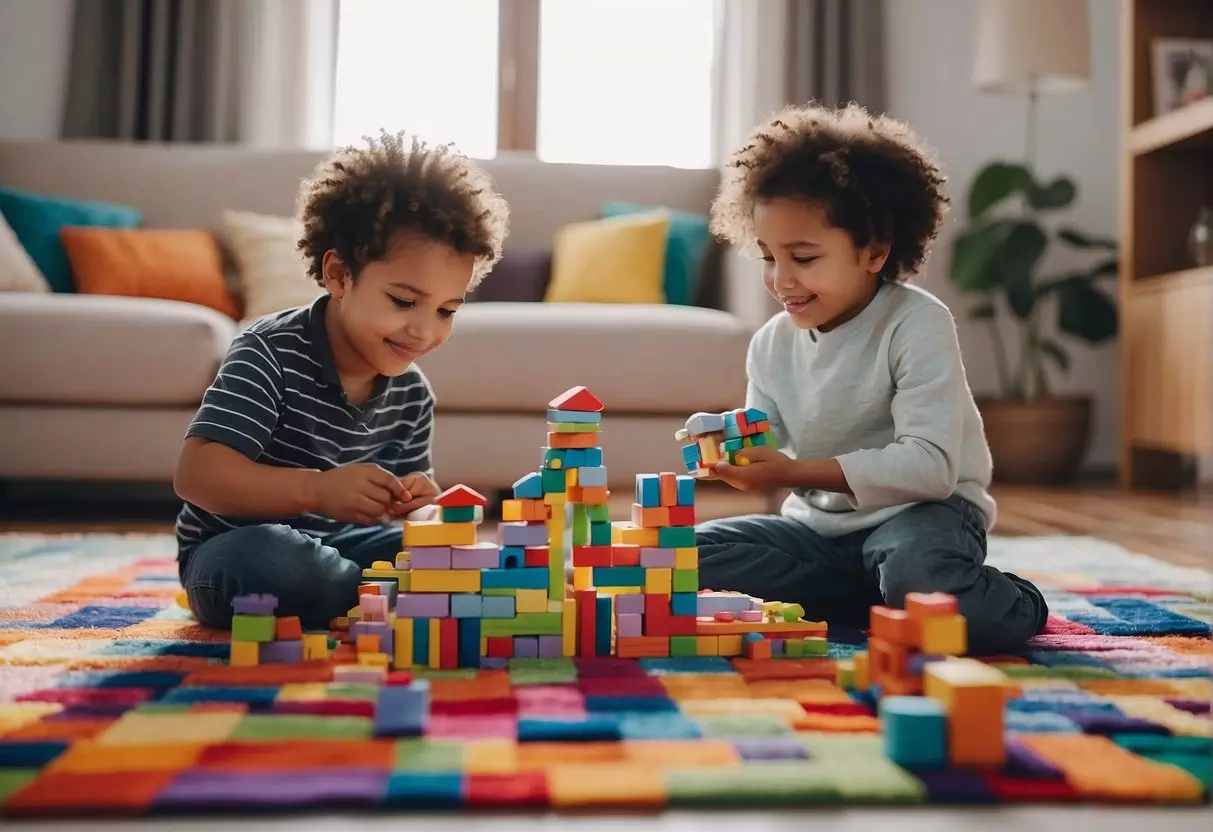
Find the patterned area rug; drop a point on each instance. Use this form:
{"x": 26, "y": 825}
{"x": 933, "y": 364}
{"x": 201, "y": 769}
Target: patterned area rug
{"x": 112, "y": 701}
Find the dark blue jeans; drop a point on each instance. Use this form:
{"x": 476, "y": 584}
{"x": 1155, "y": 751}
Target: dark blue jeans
{"x": 929, "y": 547}
{"x": 315, "y": 580}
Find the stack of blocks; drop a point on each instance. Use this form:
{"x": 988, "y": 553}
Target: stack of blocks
{"x": 937, "y": 708}
{"x": 259, "y": 637}
{"x": 709, "y": 438}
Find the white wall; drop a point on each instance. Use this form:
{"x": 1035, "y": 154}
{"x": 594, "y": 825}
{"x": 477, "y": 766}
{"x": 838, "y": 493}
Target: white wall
{"x": 930, "y": 51}
{"x": 35, "y": 43}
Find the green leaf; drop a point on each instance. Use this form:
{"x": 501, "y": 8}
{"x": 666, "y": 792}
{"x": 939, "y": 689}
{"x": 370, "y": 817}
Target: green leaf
{"x": 974, "y": 254}
{"x": 983, "y": 311}
{"x": 1080, "y": 240}
{"x": 994, "y": 183}
{"x": 1022, "y": 250}
{"x": 1085, "y": 311}
{"x": 1057, "y": 194}
{"x": 1054, "y": 350}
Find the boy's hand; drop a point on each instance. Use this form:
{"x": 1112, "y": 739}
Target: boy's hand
{"x": 767, "y": 469}
{"x": 357, "y": 493}
{"x": 419, "y": 491}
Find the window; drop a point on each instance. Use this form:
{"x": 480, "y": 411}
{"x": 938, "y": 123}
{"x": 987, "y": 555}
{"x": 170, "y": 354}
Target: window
{"x": 583, "y": 81}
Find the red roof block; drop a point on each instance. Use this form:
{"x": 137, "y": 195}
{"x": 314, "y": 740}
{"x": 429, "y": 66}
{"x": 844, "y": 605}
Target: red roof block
{"x": 460, "y": 495}
{"x": 577, "y": 398}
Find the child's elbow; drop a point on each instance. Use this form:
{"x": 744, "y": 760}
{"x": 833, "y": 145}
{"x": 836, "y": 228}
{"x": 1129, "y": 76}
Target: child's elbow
{"x": 939, "y": 477}
{"x": 185, "y": 474}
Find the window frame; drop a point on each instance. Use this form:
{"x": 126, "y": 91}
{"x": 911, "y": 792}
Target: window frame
{"x": 517, "y": 75}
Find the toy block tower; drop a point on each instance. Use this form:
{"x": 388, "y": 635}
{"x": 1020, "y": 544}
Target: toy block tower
{"x": 260, "y": 637}
{"x": 709, "y": 438}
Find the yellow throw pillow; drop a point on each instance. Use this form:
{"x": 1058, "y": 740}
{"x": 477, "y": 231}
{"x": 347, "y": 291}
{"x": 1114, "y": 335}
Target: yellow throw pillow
{"x": 615, "y": 260}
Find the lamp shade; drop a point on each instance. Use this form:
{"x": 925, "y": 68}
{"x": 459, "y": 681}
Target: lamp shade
{"x": 1041, "y": 45}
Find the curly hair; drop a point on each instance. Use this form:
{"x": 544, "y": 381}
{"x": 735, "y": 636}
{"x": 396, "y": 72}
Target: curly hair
{"x": 870, "y": 173}
{"x": 360, "y": 198}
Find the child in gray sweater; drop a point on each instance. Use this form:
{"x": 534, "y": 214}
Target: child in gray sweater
{"x": 877, "y": 434}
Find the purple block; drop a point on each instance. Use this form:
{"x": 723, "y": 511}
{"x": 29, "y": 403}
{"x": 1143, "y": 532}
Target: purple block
{"x": 776, "y": 747}
{"x": 480, "y": 556}
{"x": 430, "y": 557}
{"x": 630, "y": 602}
{"x": 281, "y": 652}
{"x": 550, "y": 647}
{"x": 423, "y": 605}
{"x": 280, "y": 790}
{"x": 526, "y": 647}
{"x": 373, "y": 607}
{"x": 255, "y": 604}
{"x": 918, "y": 661}
{"x": 522, "y": 534}
{"x": 776, "y": 647}
{"x": 657, "y": 558}
{"x": 629, "y": 624}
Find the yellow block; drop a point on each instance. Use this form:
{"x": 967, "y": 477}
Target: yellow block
{"x": 400, "y": 576}
{"x": 437, "y": 533}
{"x": 570, "y": 477}
{"x": 245, "y": 654}
{"x": 707, "y": 645}
{"x": 402, "y": 642}
{"x": 373, "y": 659}
{"x": 315, "y": 646}
{"x": 944, "y": 635}
{"x": 531, "y": 600}
{"x": 568, "y": 627}
{"x": 583, "y": 577}
{"x": 484, "y": 645}
{"x": 730, "y": 645}
{"x": 446, "y": 580}
{"x": 658, "y": 581}
{"x": 382, "y": 564}
{"x": 511, "y": 511}
{"x": 435, "y": 657}
{"x": 863, "y": 675}
{"x": 556, "y": 498}
{"x": 687, "y": 558}
{"x": 625, "y": 531}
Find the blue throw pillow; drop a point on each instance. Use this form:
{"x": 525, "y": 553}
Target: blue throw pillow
{"x": 687, "y": 243}
{"x": 36, "y": 220}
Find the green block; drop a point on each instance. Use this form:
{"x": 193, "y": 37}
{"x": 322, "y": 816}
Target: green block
{"x": 12, "y": 779}
{"x": 815, "y": 646}
{"x": 351, "y": 690}
{"x": 575, "y": 427}
{"x": 525, "y": 624}
{"x": 759, "y": 439}
{"x": 742, "y": 725}
{"x": 303, "y": 727}
{"x": 600, "y": 514}
{"x": 258, "y": 628}
{"x": 675, "y": 537}
{"x": 500, "y": 590}
{"x": 686, "y": 580}
{"x": 420, "y": 754}
{"x": 600, "y": 533}
{"x": 458, "y": 514}
{"x": 765, "y": 784}
{"x": 553, "y": 480}
{"x": 793, "y": 648}
{"x": 581, "y": 525}
{"x": 684, "y": 646}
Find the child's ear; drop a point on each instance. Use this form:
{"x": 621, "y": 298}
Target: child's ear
{"x": 876, "y": 255}
{"x": 335, "y": 273}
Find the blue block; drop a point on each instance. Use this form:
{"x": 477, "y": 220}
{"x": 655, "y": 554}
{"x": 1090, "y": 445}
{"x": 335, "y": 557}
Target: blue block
{"x": 425, "y": 790}
{"x": 591, "y": 728}
{"x": 512, "y": 557}
{"x": 684, "y": 603}
{"x": 758, "y": 439}
{"x": 776, "y": 647}
{"x": 600, "y": 534}
{"x": 602, "y": 625}
{"x": 528, "y": 487}
{"x": 590, "y": 457}
{"x": 469, "y": 642}
{"x": 690, "y": 455}
{"x": 421, "y": 640}
{"x": 553, "y": 457}
{"x": 574, "y": 457}
{"x": 686, "y": 490}
{"x": 576, "y": 417}
{"x": 467, "y": 605}
{"x": 497, "y": 606}
{"x": 731, "y": 429}
{"x": 592, "y": 477}
{"x": 403, "y": 710}
{"x": 915, "y": 730}
{"x": 752, "y": 637}
{"x": 618, "y": 576}
{"x": 614, "y": 704}
{"x": 30, "y": 753}
{"x": 648, "y": 490}
{"x": 528, "y": 577}
{"x": 753, "y": 416}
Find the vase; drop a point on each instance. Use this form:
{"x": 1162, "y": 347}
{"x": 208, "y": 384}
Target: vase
{"x": 1200, "y": 238}
{"x": 1037, "y": 442}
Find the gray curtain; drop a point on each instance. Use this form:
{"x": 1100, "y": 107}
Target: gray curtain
{"x": 153, "y": 70}
{"x": 836, "y": 52}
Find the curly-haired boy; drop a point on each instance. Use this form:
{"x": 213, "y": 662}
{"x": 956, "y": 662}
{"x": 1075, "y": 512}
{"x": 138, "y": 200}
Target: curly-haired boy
{"x": 316, "y": 432}
{"x": 878, "y": 435}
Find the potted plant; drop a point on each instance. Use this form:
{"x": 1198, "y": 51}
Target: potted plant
{"x": 1035, "y": 436}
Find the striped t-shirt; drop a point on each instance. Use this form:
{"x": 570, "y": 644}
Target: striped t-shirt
{"x": 278, "y": 400}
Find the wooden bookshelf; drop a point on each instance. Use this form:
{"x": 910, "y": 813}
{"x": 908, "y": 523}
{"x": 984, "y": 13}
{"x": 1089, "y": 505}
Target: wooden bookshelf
{"x": 1166, "y": 300}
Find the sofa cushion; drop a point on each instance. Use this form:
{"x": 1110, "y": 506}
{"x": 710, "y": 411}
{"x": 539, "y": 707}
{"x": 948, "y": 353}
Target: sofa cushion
{"x": 637, "y": 358}
{"x": 520, "y": 277}
{"x": 103, "y": 350}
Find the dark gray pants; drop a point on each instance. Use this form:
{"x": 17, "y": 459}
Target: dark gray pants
{"x": 929, "y": 547}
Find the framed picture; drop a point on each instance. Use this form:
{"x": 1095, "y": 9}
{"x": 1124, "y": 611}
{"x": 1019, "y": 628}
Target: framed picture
{"x": 1183, "y": 72}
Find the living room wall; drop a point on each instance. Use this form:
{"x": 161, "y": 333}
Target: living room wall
{"x": 35, "y": 37}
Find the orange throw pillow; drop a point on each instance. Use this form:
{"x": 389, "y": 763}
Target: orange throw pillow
{"x": 166, "y": 263}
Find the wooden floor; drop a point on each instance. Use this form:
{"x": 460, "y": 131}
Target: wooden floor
{"x": 1175, "y": 528}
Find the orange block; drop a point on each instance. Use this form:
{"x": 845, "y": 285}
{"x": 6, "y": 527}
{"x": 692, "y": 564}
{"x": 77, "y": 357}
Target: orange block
{"x": 572, "y": 440}
{"x": 755, "y": 649}
{"x": 888, "y": 660}
{"x": 895, "y": 626}
{"x": 367, "y": 643}
{"x": 929, "y": 604}
{"x": 650, "y": 517}
{"x": 667, "y": 488}
{"x": 596, "y": 495}
{"x": 625, "y": 554}
{"x": 288, "y": 629}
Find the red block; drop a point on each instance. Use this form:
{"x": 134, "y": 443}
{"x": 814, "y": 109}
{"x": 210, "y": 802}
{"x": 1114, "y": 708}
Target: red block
{"x": 657, "y": 616}
{"x": 535, "y": 556}
{"x": 501, "y": 647}
{"x": 288, "y": 628}
{"x": 398, "y": 677}
{"x": 589, "y": 556}
{"x": 625, "y": 554}
{"x": 448, "y": 641}
{"x": 681, "y": 625}
{"x": 682, "y": 515}
{"x": 587, "y": 619}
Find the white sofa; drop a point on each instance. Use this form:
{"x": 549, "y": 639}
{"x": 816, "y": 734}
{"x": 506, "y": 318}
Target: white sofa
{"x": 101, "y": 388}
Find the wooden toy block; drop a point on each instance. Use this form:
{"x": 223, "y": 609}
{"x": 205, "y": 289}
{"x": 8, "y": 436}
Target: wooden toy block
{"x": 367, "y": 644}
{"x": 625, "y": 554}
{"x": 462, "y": 514}
{"x": 372, "y": 607}
{"x": 675, "y": 537}
{"x": 400, "y": 576}
{"x": 523, "y": 624}
{"x": 577, "y": 398}
{"x": 587, "y": 621}
{"x": 793, "y": 648}
{"x": 468, "y": 643}
{"x": 973, "y": 695}
{"x": 255, "y": 604}
{"x": 423, "y": 605}
{"x": 895, "y": 626}
{"x": 602, "y": 625}
{"x": 685, "y": 489}
{"x": 288, "y": 628}
{"x": 690, "y": 456}
{"x": 554, "y": 481}
{"x": 583, "y": 577}
{"x": 709, "y": 452}
{"x": 572, "y": 440}
{"x": 430, "y": 557}
{"x": 944, "y": 634}
{"x": 574, "y": 427}
{"x": 476, "y": 556}
{"x": 922, "y": 605}
{"x": 650, "y": 517}
{"x": 816, "y": 646}
{"x": 244, "y": 654}
{"x": 683, "y": 646}
{"x": 437, "y": 533}
{"x": 658, "y": 581}
{"x": 434, "y": 657}
{"x": 460, "y": 496}
{"x": 844, "y": 670}
{"x": 887, "y": 659}
{"x": 381, "y": 564}
{"x": 528, "y": 487}
{"x": 570, "y": 478}
{"x": 374, "y": 659}
{"x": 513, "y": 509}
{"x": 619, "y": 576}
{"x": 629, "y": 625}
{"x": 531, "y": 600}
{"x": 525, "y": 534}
{"x": 648, "y": 491}
{"x": 598, "y": 495}
{"x": 730, "y": 645}
{"x": 760, "y": 649}
{"x": 535, "y": 556}
{"x": 315, "y": 646}
{"x": 260, "y": 628}
{"x": 684, "y": 605}
{"x": 686, "y": 557}
{"x": 645, "y": 647}
{"x": 574, "y": 416}
{"x": 568, "y": 627}
{"x": 682, "y": 515}
{"x": 468, "y": 605}
{"x": 657, "y": 615}
{"x": 863, "y": 678}
{"x": 525, "y": 578}
{"x": 707, "y": 645}
{"x": 403, "y": 642}
{"x": 592, "y": 556}
{"x": 686, "y": 580}
{"x": 447, "y": 580}
{"x": 421, "y": 641}
{"x": 657, "y": 558}
{"x": 915, "y": 731}
{"x": 497, "y": 606}
{"x": 501, "y": 647}
{"x": 668, "y": 486}
{"x": 623, "y": 531}
{"x": 403, "y": 710}
{"x": 449, "y": 643}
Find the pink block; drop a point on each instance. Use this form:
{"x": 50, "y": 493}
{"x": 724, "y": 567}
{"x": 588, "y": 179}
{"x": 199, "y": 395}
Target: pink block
{"x": 657, "y": 558}
{"x": 423, "y": 605}
{"x": 430, "y": 557}
{"x": 629, "y": 624}
{"x": 630, "y": 602}
{"x": 750, "y": 615}
{"x": 479, "y": 556}
{"x": 373, "y": 607}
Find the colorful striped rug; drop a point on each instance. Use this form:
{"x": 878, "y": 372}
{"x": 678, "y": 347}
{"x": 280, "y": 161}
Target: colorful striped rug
{"x": 112, "y": 701}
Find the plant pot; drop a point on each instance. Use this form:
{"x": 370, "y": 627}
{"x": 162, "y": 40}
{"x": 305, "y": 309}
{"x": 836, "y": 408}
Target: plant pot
{"x": 1038, "y": 442}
